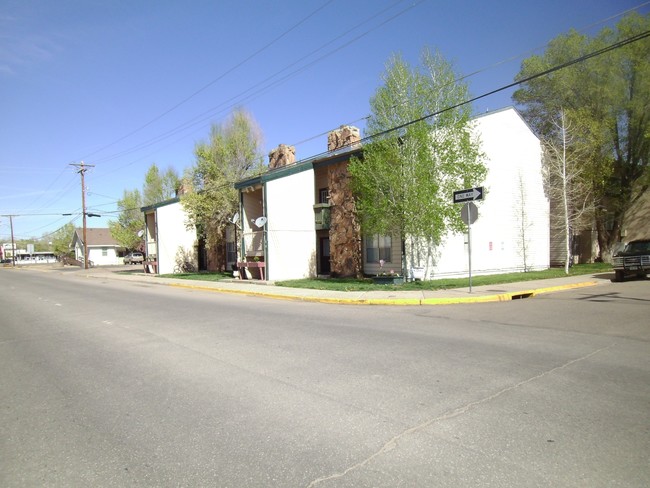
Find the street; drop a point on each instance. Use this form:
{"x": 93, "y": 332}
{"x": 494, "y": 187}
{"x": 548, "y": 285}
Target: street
{"x": 112, "y": 383}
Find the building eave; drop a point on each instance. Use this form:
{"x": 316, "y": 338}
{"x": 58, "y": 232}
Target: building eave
{"x": 154, "y": 206}
{"x": 318, "y": 161}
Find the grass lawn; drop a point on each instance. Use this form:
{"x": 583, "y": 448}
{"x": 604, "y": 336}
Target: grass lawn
{"x": 351, "y": 284}
{"x": 202, "y": 276}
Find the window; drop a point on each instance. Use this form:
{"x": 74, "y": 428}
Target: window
{"x": 378, "y": 247}
{"x": 104, "y": 251}
{"x": 324, "y": 195}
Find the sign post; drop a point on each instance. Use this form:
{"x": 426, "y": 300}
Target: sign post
{"x": 469, "y": 214}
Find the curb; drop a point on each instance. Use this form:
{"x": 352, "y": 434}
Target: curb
{"x": 497, "y": 297}
{"x": 500, "y": 297}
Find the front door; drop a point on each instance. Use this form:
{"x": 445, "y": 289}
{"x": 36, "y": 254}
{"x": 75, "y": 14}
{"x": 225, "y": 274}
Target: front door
{"x": 324, "y": 256}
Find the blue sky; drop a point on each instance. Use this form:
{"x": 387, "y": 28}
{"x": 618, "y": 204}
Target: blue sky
{"x": 124, "y": 84}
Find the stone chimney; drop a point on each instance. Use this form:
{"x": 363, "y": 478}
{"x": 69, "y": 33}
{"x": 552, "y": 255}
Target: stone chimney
{"x": 184, "y": 186}
{"x": 345, "y": 229}
{"x": 344, "y": 136}
{"x": 282, "y": 155}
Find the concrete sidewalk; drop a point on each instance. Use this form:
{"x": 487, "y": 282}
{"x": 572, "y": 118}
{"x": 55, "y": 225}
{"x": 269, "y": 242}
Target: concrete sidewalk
{"x": 479, "y": 294}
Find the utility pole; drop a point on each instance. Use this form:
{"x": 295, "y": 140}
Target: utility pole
{"x": 82, "y": 168}
{"x": 13, "y": 242}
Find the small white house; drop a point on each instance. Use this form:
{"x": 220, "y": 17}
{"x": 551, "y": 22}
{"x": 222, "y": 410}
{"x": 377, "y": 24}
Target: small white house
{"x": 103, "y": 250}
{"x": 170, "y": 247}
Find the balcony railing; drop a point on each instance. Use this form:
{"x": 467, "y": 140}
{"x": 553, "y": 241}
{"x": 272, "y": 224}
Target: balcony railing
{"x": 254, "y": 243}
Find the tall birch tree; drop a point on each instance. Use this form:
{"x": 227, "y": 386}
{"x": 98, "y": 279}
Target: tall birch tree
{"x": 568, "y": 184}
{"x": 405, "y": 180}
{"x": 606, "y": 99}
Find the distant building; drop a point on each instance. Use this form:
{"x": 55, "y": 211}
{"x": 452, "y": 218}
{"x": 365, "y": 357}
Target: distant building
{"x": 103, "y": 249}
{"x": 169, "y": 245}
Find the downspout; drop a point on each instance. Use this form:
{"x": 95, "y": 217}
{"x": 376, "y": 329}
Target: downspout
{"x": 264, "y": 234}
{"x": 242, "y": 242}
{"x": 155, "y": 221}
{"x": 146, "y": 239}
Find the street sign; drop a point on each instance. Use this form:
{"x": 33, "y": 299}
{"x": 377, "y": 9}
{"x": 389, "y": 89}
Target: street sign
{"x": 468, "y": 195}
{"x": 469, "y": 213}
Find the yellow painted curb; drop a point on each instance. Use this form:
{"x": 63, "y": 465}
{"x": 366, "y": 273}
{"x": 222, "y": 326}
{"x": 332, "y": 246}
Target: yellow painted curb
{"x": 499, "y": 297}
{"x": 551, "y": 289}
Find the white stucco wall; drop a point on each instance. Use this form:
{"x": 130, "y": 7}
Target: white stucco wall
{"x": 96, "y": 256}
{"x": 291, "y": 234}
{"x": 173, "y": 238}
{"x": 513, "y": 158}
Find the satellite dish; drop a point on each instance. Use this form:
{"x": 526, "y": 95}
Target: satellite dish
{"x": 140, "y": 233}
{"x": 260, "y": 221}
{"x": 235, "y": 218}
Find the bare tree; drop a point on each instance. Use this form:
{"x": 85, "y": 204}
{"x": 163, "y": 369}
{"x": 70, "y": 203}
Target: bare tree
{"x": 568, "y": 184}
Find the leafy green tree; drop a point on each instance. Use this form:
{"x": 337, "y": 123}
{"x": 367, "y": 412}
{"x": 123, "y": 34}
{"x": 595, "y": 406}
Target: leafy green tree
{"x": 232, "y": 152}
{"x": 605, "y": 99}
{"x": 62, "y": 239}
{"x": 126, "y": 230}
{"x": 159, "y": 187}
{"x": 405, "y": 179}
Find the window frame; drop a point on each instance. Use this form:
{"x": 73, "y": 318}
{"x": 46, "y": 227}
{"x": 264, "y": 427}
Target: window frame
{"x": 378, "y": 247}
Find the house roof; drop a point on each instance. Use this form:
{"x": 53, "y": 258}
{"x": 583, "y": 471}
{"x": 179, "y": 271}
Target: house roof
{"x": 323, "y": 159}
{"x": 164, "y": 203}
{"x": 505, "y": 109}
{"x": 335, "y": 156}
{"x": 97, "y": 237}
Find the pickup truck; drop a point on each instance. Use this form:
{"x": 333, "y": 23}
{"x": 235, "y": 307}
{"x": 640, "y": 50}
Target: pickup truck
{"x": 634, "y": 259}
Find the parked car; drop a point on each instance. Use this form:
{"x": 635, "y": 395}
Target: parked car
{"x": 133, "y": 258}
{"x": 634, "y": 259}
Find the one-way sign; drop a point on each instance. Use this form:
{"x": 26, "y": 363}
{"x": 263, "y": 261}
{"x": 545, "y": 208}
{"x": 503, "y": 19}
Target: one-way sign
{"x": 468, "y": 195}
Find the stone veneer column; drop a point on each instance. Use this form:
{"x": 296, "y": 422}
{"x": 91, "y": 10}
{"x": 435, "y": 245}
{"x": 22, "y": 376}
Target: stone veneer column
{"x": 282, "y": 155}
{"x": 345, "y": 230}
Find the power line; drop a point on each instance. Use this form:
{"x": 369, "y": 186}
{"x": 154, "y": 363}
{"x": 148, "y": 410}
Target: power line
{"x": 580, "y": 59}
{"x": 220, "y": 77}
{"x": 199, "y": 119}
{"x": 243, "y": 97}
{"x": 583, "y": 58}
{"x": 486, "y": 68}
{"x": 51, "y": 202}
{"x": 566, "y": 64}
{"x": 29, "y": 234}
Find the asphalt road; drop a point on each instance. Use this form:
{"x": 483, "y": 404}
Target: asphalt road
{"x": 110, "y": 383}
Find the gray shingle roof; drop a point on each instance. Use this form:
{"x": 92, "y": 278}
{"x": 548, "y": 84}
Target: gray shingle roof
{"x": 97, "y": 237}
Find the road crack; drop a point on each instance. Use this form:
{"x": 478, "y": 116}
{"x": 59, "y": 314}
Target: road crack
{"x": 392, "y": 444}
